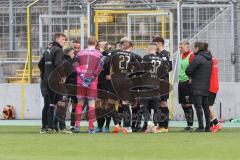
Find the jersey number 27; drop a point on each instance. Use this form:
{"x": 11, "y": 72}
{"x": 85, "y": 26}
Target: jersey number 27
{"x": 123, "y": 62}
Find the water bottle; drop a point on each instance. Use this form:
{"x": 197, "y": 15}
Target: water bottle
{"x": 236, "y": 120}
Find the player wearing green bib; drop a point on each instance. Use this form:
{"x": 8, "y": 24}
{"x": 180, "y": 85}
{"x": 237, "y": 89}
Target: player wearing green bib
{"x": 184, "y": 86}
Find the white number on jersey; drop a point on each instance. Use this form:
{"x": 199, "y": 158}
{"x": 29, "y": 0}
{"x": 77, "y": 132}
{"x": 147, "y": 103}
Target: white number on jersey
{"x": 155, "y": 65}
{"x": 123, "y": 62}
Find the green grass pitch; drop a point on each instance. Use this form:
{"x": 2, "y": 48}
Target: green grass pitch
{"x": 25, "y": 143}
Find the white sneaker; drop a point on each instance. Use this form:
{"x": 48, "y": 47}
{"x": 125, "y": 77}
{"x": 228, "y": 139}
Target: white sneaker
{"x": 151, "y": 128}
{"x": 128, "y": 129}
{"x": 65, "y": 131}
{"x": 154, "y": 129}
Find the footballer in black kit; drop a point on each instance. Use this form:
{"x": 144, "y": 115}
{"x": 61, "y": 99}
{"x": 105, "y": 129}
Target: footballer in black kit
{"x": 158, "y": 70}
{"x": 120, "y": 66}
{"x": 164, "y": 111}
{"x": 121, "y": 61}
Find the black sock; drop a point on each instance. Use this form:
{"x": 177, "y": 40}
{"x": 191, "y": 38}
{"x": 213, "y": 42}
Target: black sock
{"x": 211, "y": 123}
{"x": 73, "y": 117}
{"x": 144, "y": 126}
{"x": 108, "y": 120}
{"x": 215, "y": 121}
{"x": 134, "y": 117}
{"x": 100, "y": 122}
{"x": 120, "y": 115}
{"x": 164, "y": 117}
{"x": 167, "y": 118}
{"x": 189, "y": 115}
{"x": 161, "y": 118}
{"x": 115, "y": 116}
{"x": 126, "y": 115}
{"x": 185, "y": 109}
{"x": 50, "y": 117}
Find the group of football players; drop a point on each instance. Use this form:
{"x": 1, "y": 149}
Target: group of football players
{"x": 109, "y": 81}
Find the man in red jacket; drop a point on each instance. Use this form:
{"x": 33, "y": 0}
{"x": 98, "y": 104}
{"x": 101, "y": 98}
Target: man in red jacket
{"x": 213, "y": 89}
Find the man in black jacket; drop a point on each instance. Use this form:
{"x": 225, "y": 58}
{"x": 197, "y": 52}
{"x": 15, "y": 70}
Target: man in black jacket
{"x": 120, "y": 67}
{"x": 199, "y": 71}
{"x": 43, "y": 87}
{"x": 69, "y": 92}
{"x": 48, "y": 63}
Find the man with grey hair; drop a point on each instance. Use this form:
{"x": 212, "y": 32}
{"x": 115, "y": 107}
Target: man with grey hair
{"x": 184, "y": 85}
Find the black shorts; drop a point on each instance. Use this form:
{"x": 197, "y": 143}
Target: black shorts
{"x": 151, "y": 103}
{"x": 211, "y": 98}
{"x": 184, "y": 93}
{"x": 164, "y": 98}
{"x": 122, "y": 89}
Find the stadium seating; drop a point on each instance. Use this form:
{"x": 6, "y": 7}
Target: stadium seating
{"x": 22, "y": 75}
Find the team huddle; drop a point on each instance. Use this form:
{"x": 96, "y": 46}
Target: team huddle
{"x": 110, "y": 82}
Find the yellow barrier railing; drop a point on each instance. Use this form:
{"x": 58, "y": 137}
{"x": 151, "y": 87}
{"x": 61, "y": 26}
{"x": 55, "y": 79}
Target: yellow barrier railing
{"x": 111, "y": 31}
{"x": 29, "y": 38}
{"x": 171, "y": 94}
{"x": 23, "y": 93}
{"x": 28, "y": 60}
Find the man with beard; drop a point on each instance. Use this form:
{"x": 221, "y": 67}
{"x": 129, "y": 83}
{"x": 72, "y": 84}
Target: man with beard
{"x": 73, "y": 80}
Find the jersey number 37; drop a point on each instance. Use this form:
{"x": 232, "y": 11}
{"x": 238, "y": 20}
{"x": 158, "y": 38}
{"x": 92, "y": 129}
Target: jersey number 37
{"x": 155, "y": 65}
